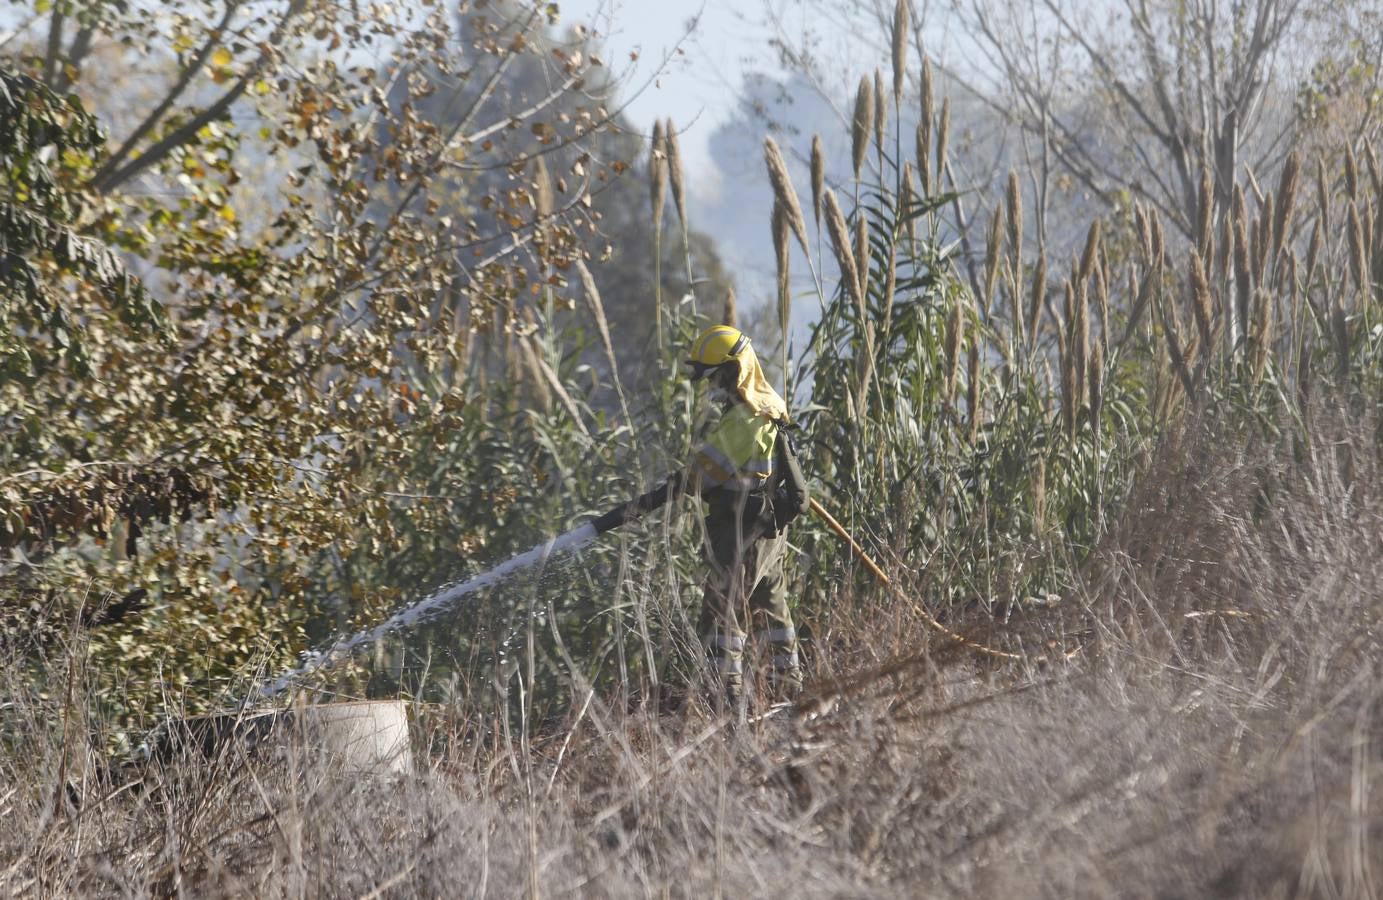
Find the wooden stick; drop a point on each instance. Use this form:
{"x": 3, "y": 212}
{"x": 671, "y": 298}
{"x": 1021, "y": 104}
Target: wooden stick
{"x": 927, "y": 617}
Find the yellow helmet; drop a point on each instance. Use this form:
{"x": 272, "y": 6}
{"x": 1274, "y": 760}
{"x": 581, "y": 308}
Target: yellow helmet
{"x": 714, "y": 347}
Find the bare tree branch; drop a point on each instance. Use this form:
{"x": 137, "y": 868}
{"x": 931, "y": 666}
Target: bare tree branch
{"x": 51, "y": 58}
{"x": 76, "y": 54}
{"x": 105, "y": 177}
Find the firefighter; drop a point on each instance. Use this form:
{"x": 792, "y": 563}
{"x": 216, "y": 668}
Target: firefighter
{"x": 748, "y": 478}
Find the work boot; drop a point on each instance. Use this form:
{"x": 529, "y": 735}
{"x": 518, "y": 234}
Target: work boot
{"x": 787, "y": 684}
{"x": 733, "y": 697}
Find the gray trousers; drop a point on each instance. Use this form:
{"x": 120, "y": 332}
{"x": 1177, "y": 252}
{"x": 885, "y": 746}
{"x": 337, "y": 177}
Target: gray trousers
{"x": 745, "y": 590}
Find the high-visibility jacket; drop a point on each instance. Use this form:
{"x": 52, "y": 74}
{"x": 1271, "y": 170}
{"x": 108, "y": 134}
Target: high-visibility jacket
{"x": 738, "y": 453}
{"x": 737, "y": 459}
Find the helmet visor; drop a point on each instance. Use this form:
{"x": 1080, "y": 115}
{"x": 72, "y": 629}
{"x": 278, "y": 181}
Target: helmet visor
{"x": 699, "y": 370}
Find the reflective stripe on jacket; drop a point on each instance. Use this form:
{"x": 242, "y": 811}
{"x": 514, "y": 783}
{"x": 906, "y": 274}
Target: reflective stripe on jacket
{"x": 738, "y": 454}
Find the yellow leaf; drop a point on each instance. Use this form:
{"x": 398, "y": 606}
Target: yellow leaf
{"x": 227, "y": 212}
{"x": 221, "y": 57}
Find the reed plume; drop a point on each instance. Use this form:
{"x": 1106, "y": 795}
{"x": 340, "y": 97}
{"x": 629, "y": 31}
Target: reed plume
{"x": 1143, "y": 228}
{"x": 1202, "y": 306}
{"x": 890, "y": 286}
{"x": 523, "y": 333}
{"x": 880, "y": 112}
{"x": 818, "y": 177}
{"x": 657, "y": 175}
{"x": 901, "y": 27}
{"x": 783, "y": 191}
{"x": 1242, "y": 280}
{"x": 862, "y": 254}
{"x": 1286, "y": 202}
{"x": 943, "y": 132}
{"x": 1159, "y": 237}
{"x": 1357, "y": 243}
{"x": 674, "y": 165}
{"x": 1205, "y": 221}
{"x": 1080, "y": 338}
{"x": 1171, "y": 331}
{"x": 1095, "y": 381}
{"x": 1066, "y": 360}
{"x": 1014, "y": 198}
{"x": 1252, "y": 179}
{"x": 865, "y": 364}
{"x": 1262, "y": 325}
{"x": 602, "y": 324}
{"x": 907, "y": 200}
{"x": 542, "y": 190}
{"x": 1102, "y": 299}
{"x": 924, "y": 128}
{"x": 781, "y": 236}
{"x": 781, "y": 239}
{"x": 1262, "y": 239}
{"x": 1323, "y": 194}
{"x": 973, "y": 387}
{"x": 924, "y": 159}
{"x": 861, "y": 124}
{"x": 1037, "y": 297}
{"x": 551, "y": 378}
{"x": 543, "y": 202}
{"x": 840, "y": 246}
{"x": 1313, "y": 251}
{"x": 1294, "y": 296}
{"x": 1092, "y": 248}
{"x": 926, "y": 95}
{"x": 1013, "y": 290}
{"x": 1142, "y": 294}
{"x": 992, "y": 250}
{"x": 541, "y": 392}
{"x": 1224, "y": 250}
{"x": 955, "y": 326}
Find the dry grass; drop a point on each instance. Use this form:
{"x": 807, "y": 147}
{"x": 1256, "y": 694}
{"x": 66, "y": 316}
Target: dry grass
{"x": 1218, "y": 736}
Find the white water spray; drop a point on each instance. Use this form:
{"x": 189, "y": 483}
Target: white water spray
{"x": 429, "y": 606}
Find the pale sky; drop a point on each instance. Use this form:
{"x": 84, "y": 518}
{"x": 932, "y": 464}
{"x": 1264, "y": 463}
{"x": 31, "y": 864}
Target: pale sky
{"x": 698, "y": 88}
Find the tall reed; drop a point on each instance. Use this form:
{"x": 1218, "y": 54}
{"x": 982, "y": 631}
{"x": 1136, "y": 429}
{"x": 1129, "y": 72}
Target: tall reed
{"x": 657, "y": 188}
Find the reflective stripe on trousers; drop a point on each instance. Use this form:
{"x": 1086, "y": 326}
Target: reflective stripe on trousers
{"x": 778, "y": 636}
{"x": 783, "y": 662}
{"x": 732, "y": 642}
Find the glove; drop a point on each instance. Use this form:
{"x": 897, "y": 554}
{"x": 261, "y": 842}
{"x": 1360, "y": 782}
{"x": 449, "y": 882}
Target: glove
{"x": 611, "y": 520}
{"x": 628, "y": 512}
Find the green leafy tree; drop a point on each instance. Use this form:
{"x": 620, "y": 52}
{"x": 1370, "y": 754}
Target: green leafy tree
{"x": 345, "y": 374}
{"x": 51, "y": 275}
